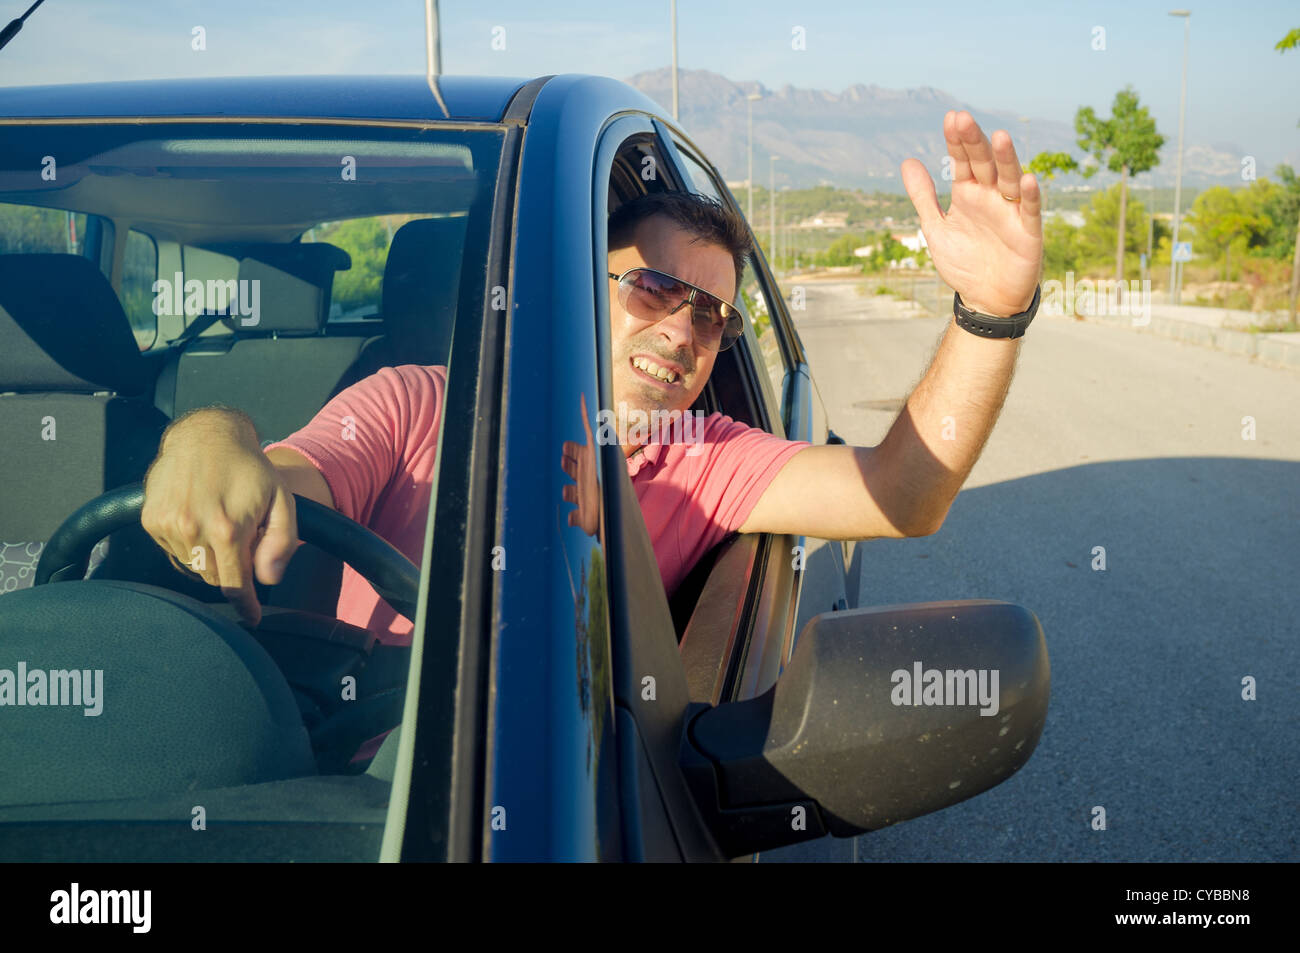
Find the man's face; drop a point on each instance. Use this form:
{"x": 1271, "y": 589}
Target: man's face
{"x": 670, "y": 343}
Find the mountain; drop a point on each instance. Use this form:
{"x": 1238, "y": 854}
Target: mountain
{"x": 857, "y": 138}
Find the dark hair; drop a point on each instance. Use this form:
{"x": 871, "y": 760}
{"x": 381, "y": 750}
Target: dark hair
{"x": 700, "y": 215}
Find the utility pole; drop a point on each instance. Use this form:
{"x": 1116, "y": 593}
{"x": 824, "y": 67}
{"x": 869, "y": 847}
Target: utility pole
{"x": 1151, "y": 232}
{"x": 771, "y": 175}
{"x": 1295, "y": 273}
{"x": 750, "y": 99}
{"x": 1174, "y": 290}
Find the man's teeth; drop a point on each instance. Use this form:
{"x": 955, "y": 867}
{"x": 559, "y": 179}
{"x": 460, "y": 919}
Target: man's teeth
{"x": 654, "y": 370}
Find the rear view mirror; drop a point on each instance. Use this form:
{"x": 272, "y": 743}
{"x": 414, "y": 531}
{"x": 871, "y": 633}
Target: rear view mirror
{"x": 882, "y": 715}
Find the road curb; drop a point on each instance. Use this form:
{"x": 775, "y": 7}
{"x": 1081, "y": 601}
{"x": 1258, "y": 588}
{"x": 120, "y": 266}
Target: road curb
{"x": 1275, "y": 350}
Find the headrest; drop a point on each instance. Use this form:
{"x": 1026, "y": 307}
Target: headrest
{"x": 311, "y": 261}
{"x": 421, "y": 288}
{"x": 283, "y": 302}
{"x": 63, "y": 329}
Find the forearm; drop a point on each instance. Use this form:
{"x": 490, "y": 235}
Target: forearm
{"x": 300, "y": 475}
{"x": 934, "y": 443}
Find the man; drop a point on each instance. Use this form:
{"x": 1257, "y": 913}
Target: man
{"x": 370, "y": 451}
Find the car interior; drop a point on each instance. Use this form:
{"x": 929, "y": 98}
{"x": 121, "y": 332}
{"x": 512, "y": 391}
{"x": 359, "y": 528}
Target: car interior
{"x": 96, "y": 365}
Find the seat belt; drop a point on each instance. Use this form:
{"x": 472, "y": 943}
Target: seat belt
{"x": 203, "y": 322}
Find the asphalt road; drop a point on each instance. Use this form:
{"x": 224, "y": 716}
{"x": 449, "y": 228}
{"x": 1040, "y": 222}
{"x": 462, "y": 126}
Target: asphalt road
{"x": 1113, "y": 438}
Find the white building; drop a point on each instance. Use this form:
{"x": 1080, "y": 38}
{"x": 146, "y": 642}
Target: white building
{"x": 913, "y": 242}
{"x": 1068, "y": 216}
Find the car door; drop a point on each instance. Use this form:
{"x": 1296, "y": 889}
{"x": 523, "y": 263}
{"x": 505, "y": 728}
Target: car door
{"x": 659, "y": 819}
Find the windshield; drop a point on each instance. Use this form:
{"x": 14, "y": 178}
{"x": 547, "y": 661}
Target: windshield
{"x": 253, "y": 298}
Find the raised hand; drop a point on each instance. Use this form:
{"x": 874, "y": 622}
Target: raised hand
{"x": 989, "y": 246}
{"x": 579, "y": 463}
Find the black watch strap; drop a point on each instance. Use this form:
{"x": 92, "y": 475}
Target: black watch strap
{"x": 988, "y": 326}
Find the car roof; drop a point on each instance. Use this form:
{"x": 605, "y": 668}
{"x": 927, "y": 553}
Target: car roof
{"x": 468, "y": 98}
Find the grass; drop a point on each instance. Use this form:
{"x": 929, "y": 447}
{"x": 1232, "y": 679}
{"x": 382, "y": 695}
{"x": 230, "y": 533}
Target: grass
{"x": 1272, "y": 324}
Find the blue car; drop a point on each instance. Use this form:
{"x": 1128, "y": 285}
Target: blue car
{"x": 264, "y": 244}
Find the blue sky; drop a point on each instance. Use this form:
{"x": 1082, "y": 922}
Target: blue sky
{"x": 1241, "y": 93}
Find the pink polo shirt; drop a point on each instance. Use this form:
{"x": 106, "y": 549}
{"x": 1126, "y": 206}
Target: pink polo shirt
{"x": 375, "y": 445}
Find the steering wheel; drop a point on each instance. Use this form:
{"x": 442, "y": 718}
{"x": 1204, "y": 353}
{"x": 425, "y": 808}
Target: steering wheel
{"x": 394, "y": 577}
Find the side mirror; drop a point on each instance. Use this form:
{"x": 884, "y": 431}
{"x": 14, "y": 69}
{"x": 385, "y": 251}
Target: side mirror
{"x": 882, "y": 715}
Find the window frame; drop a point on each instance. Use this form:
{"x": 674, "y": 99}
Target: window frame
{"x": 437, "y": 801}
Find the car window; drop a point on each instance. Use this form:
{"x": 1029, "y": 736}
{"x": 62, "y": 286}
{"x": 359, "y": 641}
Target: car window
{"x": 279, "y": 236}
{"x": 754, "y": 298}
{"x": 701, "y": 178}
{"x": 139, "y": 272}
{"x": 357, "y": 292}
{"x": 28, "y": 229}
{"x": 756, "y": 304}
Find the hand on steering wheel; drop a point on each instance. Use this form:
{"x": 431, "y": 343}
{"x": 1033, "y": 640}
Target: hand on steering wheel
{"x": 394, "y": 577}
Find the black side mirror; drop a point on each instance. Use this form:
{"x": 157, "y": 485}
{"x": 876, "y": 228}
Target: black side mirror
{"x": 882, "y": 715}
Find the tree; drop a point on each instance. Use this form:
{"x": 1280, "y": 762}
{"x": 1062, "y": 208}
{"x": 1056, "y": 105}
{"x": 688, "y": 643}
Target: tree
{"x": 1060, "y": 247}
{"x": 1126, "y": 143}
{"x": 1047, "y": 165}
{"x": 840, "y": 251}
{"x": 27, "y": 229}
{"x": 366, "y": 240}
{"x": 1281, "y": 202}
{"x": 1100, "y": 224}
{"x": 887, "y": 249}
{"x": 1222, "y": 216}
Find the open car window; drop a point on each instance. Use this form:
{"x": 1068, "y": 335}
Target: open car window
{"x": 312, "y": 277}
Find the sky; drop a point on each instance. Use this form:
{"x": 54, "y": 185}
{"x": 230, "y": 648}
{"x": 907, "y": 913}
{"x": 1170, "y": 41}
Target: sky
{"x": 1042, "y": 63}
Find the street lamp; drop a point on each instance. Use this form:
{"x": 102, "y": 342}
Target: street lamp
{"x": 751, "y": 99}
{"x": 1174, "y": 270}
{"x": 785, "y": 233}
{"x": 771, "y": 173}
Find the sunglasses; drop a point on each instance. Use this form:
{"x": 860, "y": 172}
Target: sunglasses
{"x": 650, "y": 295}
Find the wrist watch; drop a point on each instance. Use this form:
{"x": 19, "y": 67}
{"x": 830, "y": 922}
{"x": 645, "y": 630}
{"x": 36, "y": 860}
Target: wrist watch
{"x": 988, "y": 326}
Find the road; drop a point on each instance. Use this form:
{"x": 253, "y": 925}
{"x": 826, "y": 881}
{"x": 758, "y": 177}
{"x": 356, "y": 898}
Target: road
{"x": 1135, "y": 443}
